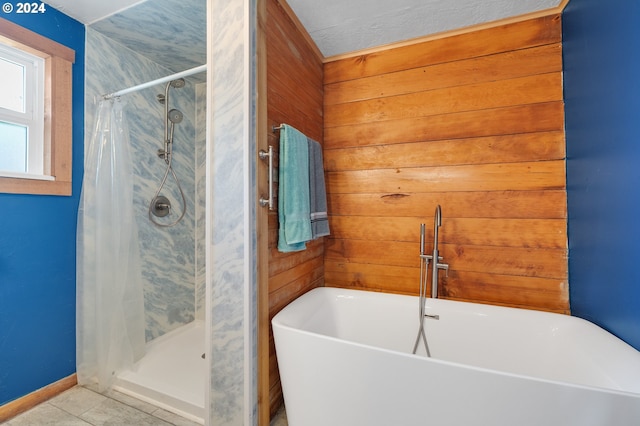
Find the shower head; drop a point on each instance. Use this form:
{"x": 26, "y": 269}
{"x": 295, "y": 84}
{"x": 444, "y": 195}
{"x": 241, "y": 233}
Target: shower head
{"x": 178, "y": 83}
{"x": 175, "y": 116}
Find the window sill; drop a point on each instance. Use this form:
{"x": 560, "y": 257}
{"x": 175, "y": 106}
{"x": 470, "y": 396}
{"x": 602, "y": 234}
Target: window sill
{"x": 25, "y": 176}
{"x": 34, "y": 186}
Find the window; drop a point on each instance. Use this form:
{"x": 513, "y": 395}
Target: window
{"x": 35, "y": 113}
{"x": 21, "y": 114}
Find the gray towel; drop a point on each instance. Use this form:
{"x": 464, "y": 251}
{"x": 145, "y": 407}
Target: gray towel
{"x": 317, "y": 191}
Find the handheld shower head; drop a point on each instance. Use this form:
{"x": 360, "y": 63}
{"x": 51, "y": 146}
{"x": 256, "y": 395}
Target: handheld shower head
{"x": 178, "y": 83}
{"x": 175, "y": 116}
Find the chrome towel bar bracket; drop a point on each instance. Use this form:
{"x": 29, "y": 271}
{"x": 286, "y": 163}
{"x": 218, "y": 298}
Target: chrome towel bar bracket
{"x": 268, "y": 155}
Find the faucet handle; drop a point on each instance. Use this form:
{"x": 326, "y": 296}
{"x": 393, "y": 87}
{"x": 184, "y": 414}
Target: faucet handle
{"x": 444, "y": 266}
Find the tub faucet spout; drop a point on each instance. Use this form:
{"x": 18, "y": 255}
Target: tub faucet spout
{"x": 436, "y": 258}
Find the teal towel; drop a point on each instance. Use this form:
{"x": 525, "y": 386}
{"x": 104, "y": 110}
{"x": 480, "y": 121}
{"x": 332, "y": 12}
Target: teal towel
{"x": 293, "y": 191}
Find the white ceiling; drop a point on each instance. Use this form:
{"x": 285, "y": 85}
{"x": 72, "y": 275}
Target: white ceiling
{"x": 342, "y": 26}
{"x": 90, "y": 11}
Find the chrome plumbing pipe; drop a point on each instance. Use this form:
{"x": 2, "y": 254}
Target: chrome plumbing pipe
{"x": 437, "y": 223}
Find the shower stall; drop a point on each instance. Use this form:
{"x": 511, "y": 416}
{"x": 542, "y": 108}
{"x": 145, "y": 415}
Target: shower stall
{"x": 167, "y": 143}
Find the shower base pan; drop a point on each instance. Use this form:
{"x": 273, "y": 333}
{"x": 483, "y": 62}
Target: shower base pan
{"x": 171, "y": 375}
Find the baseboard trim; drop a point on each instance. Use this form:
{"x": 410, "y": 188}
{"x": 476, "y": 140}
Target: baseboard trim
{"x": 20, "y": 405}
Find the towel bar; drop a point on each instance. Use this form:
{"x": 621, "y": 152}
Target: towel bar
{"x": 276, "y": 128}
{"x": 268, "y": 155}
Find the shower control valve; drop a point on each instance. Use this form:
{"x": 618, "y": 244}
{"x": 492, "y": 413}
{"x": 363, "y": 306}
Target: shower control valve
{"x": 161, "y": 206}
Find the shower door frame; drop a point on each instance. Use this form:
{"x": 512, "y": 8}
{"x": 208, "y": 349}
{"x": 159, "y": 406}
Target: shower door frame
{"x": 262, "y": 218}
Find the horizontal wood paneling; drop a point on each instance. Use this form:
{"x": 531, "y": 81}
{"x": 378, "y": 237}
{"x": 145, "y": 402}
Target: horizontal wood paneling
{"x": 472, "y": 97}
{"x": 547, "y": 263}
{"x": 531, "y": 233}
{"x": 473, "y": 122}
{"x": 294, "y": 96}
{"x": 521, "y": 147}
{"x": 519, "y": 291}
{"x": 528, "y": 176}
{"x": 505, "y": 38}
{"x": 511, "y": 120}
{"x": 507, "y": 290}
{"x": 501, "y": 66}
{"x": 503, "y": 204}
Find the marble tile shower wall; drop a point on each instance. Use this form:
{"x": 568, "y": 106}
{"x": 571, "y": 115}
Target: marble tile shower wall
{"x": 172, "y": 31}
{"x": 167, "y": 254}
{"x": 231, "y": 300}
{"x": 201, "y": 182}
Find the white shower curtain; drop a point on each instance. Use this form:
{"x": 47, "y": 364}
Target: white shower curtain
{"x": 109, "y": 300}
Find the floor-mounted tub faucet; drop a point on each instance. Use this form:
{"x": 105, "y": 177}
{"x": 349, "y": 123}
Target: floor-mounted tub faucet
{"x": 436, "y": 258}
{"x": 436, "y": 262}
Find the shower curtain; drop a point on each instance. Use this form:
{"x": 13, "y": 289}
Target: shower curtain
{"x": 109, "y": 298}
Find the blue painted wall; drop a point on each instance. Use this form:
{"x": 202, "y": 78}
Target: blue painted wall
{"x": 602, "y": 93}
{"x": 37, "y": 252}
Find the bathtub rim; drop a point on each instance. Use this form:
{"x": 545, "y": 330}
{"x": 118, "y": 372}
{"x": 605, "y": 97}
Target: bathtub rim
{"x": 277, "y": 322}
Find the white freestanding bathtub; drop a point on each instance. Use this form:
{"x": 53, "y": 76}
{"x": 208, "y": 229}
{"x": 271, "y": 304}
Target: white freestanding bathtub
{"x": 345, "y": 360}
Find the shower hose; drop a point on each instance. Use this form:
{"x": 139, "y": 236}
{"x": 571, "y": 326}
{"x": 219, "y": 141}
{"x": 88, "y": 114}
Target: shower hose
{"x": 168, "y": 159}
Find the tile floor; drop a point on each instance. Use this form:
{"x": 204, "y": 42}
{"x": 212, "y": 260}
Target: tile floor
{"x": 80, "y": 406}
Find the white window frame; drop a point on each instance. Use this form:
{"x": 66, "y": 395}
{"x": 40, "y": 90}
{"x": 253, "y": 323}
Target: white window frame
{"x": 33, "y": 116}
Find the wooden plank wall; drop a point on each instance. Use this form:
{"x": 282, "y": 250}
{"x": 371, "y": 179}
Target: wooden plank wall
{"x": 473, "y": 122}
{"x": 294, "y": 96}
